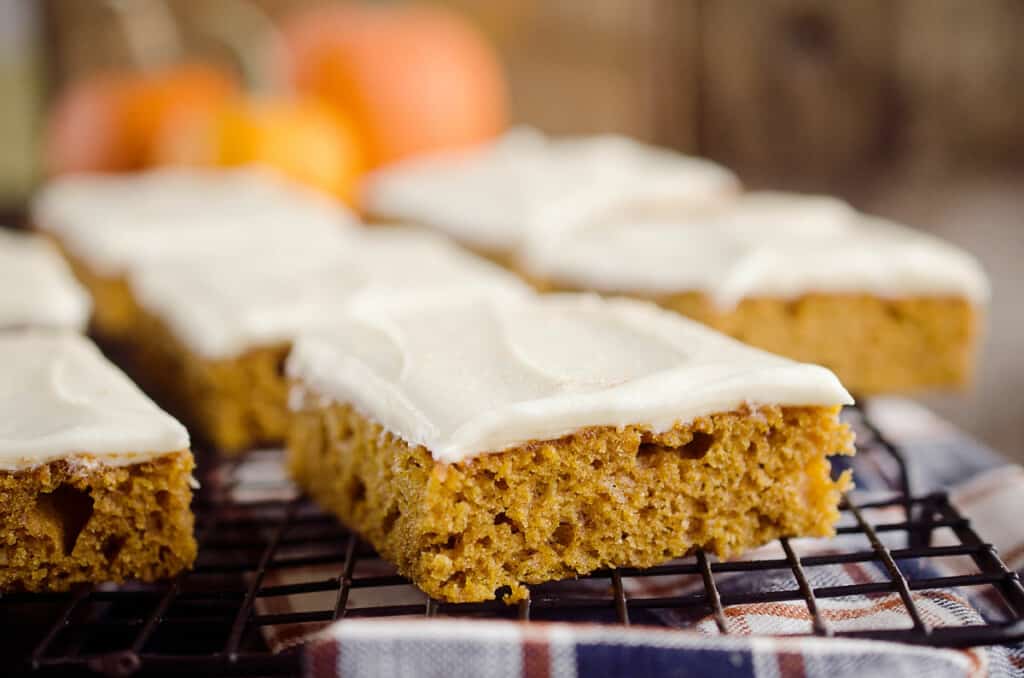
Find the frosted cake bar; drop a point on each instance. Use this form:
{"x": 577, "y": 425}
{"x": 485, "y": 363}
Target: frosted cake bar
{"x": 95, "y": 479}
{"x": 37, "y": 289}
{"x": 212, "y": 343}
{"x": 481, "y": 445}
{"x": 484, "y": 197}
{"x": 885, "y": 307}
{"x": 109, "y": 225}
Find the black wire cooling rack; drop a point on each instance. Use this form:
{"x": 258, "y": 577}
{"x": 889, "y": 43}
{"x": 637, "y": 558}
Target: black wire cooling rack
{"x": 218, "y": 617}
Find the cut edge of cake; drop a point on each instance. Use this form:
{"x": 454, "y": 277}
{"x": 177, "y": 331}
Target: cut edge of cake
{"x": 600, "y": 497}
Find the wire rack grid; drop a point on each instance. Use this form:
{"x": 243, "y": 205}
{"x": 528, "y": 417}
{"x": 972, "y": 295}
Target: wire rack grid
{"x": 215, "y": 618}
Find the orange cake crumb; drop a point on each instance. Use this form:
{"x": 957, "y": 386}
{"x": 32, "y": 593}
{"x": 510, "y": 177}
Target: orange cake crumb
{"x": 78, "y": 520}
{"x": 601, "y": 497}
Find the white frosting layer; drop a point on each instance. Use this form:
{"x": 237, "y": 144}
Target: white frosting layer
{"x": 60, "y": 397}
{"x": 762, "y": 244}
{"x": 465, "y": 377}
{"x": 484, "y": 197}
{"x": 37, "y": 289}
{"x": 223, "y": 307}
{"x": 118, "y": 222}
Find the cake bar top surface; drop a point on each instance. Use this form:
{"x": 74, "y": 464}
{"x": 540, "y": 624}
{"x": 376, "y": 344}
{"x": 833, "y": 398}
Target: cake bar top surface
{"x": 221, "y": 309}
{"x": 484, "y": 197}
{"x": 37, "y": 288}
{"x": 466, "y": 377}
{"x": 118, "y": 222}
{"x": 60, "y": 397}
{"x": 761, "y": 244}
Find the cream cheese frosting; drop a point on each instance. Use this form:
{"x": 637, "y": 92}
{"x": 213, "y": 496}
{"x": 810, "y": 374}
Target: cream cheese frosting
{"x": 37, "y": 288}
{"x": 761, "y": 244}
{"x": 469, "y": 376}
{"x": 485, "y": 196}
{"x": 59, "y": 397}
{"x": 117, "y": 222}
{"x": 226, "y": 306}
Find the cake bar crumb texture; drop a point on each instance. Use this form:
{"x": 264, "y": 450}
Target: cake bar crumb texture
{"x": 602, "y": 497}
{"x": 233, "y": 404}
{"x": 77, "y": 520}
{"x": 873, "y": 344}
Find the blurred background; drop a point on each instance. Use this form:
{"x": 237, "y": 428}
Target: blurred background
{"x": 912, "y": 109}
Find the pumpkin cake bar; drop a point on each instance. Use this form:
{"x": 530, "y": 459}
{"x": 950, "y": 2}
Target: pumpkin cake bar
{"x": 94, "y": 478}
{"x": 212, "y": 344}
{"x": 887, "y": 308}
{"x": 109, "y": 225}
{"x": 485, "y": 196}
{"x": 481, "y": 445}
{"x": 37, "y": 289}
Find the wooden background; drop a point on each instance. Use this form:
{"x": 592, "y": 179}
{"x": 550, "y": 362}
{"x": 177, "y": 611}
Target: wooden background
{"x": 910, "y": 108}
{"x": 815, "y": 93}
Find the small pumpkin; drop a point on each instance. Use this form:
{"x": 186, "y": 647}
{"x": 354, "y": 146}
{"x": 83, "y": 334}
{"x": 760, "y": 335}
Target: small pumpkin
{"x": 108, "y": 122}
{"x": 178, "y": 93}
{"x": 85, "y": 128}
{"x": 299, "y": 136}
{"x": 414, "y": 78}
{"x": 303, "y": 139}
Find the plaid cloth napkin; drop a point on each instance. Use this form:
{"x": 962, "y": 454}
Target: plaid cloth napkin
{"x": 671, "y": 642}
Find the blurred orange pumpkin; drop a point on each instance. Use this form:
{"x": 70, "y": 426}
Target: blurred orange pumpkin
{"x": 107, "y": 122}
{"x": 415, "y": 78}
{"x": 85, "y": 130}
{"x": 303, "y": 139}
